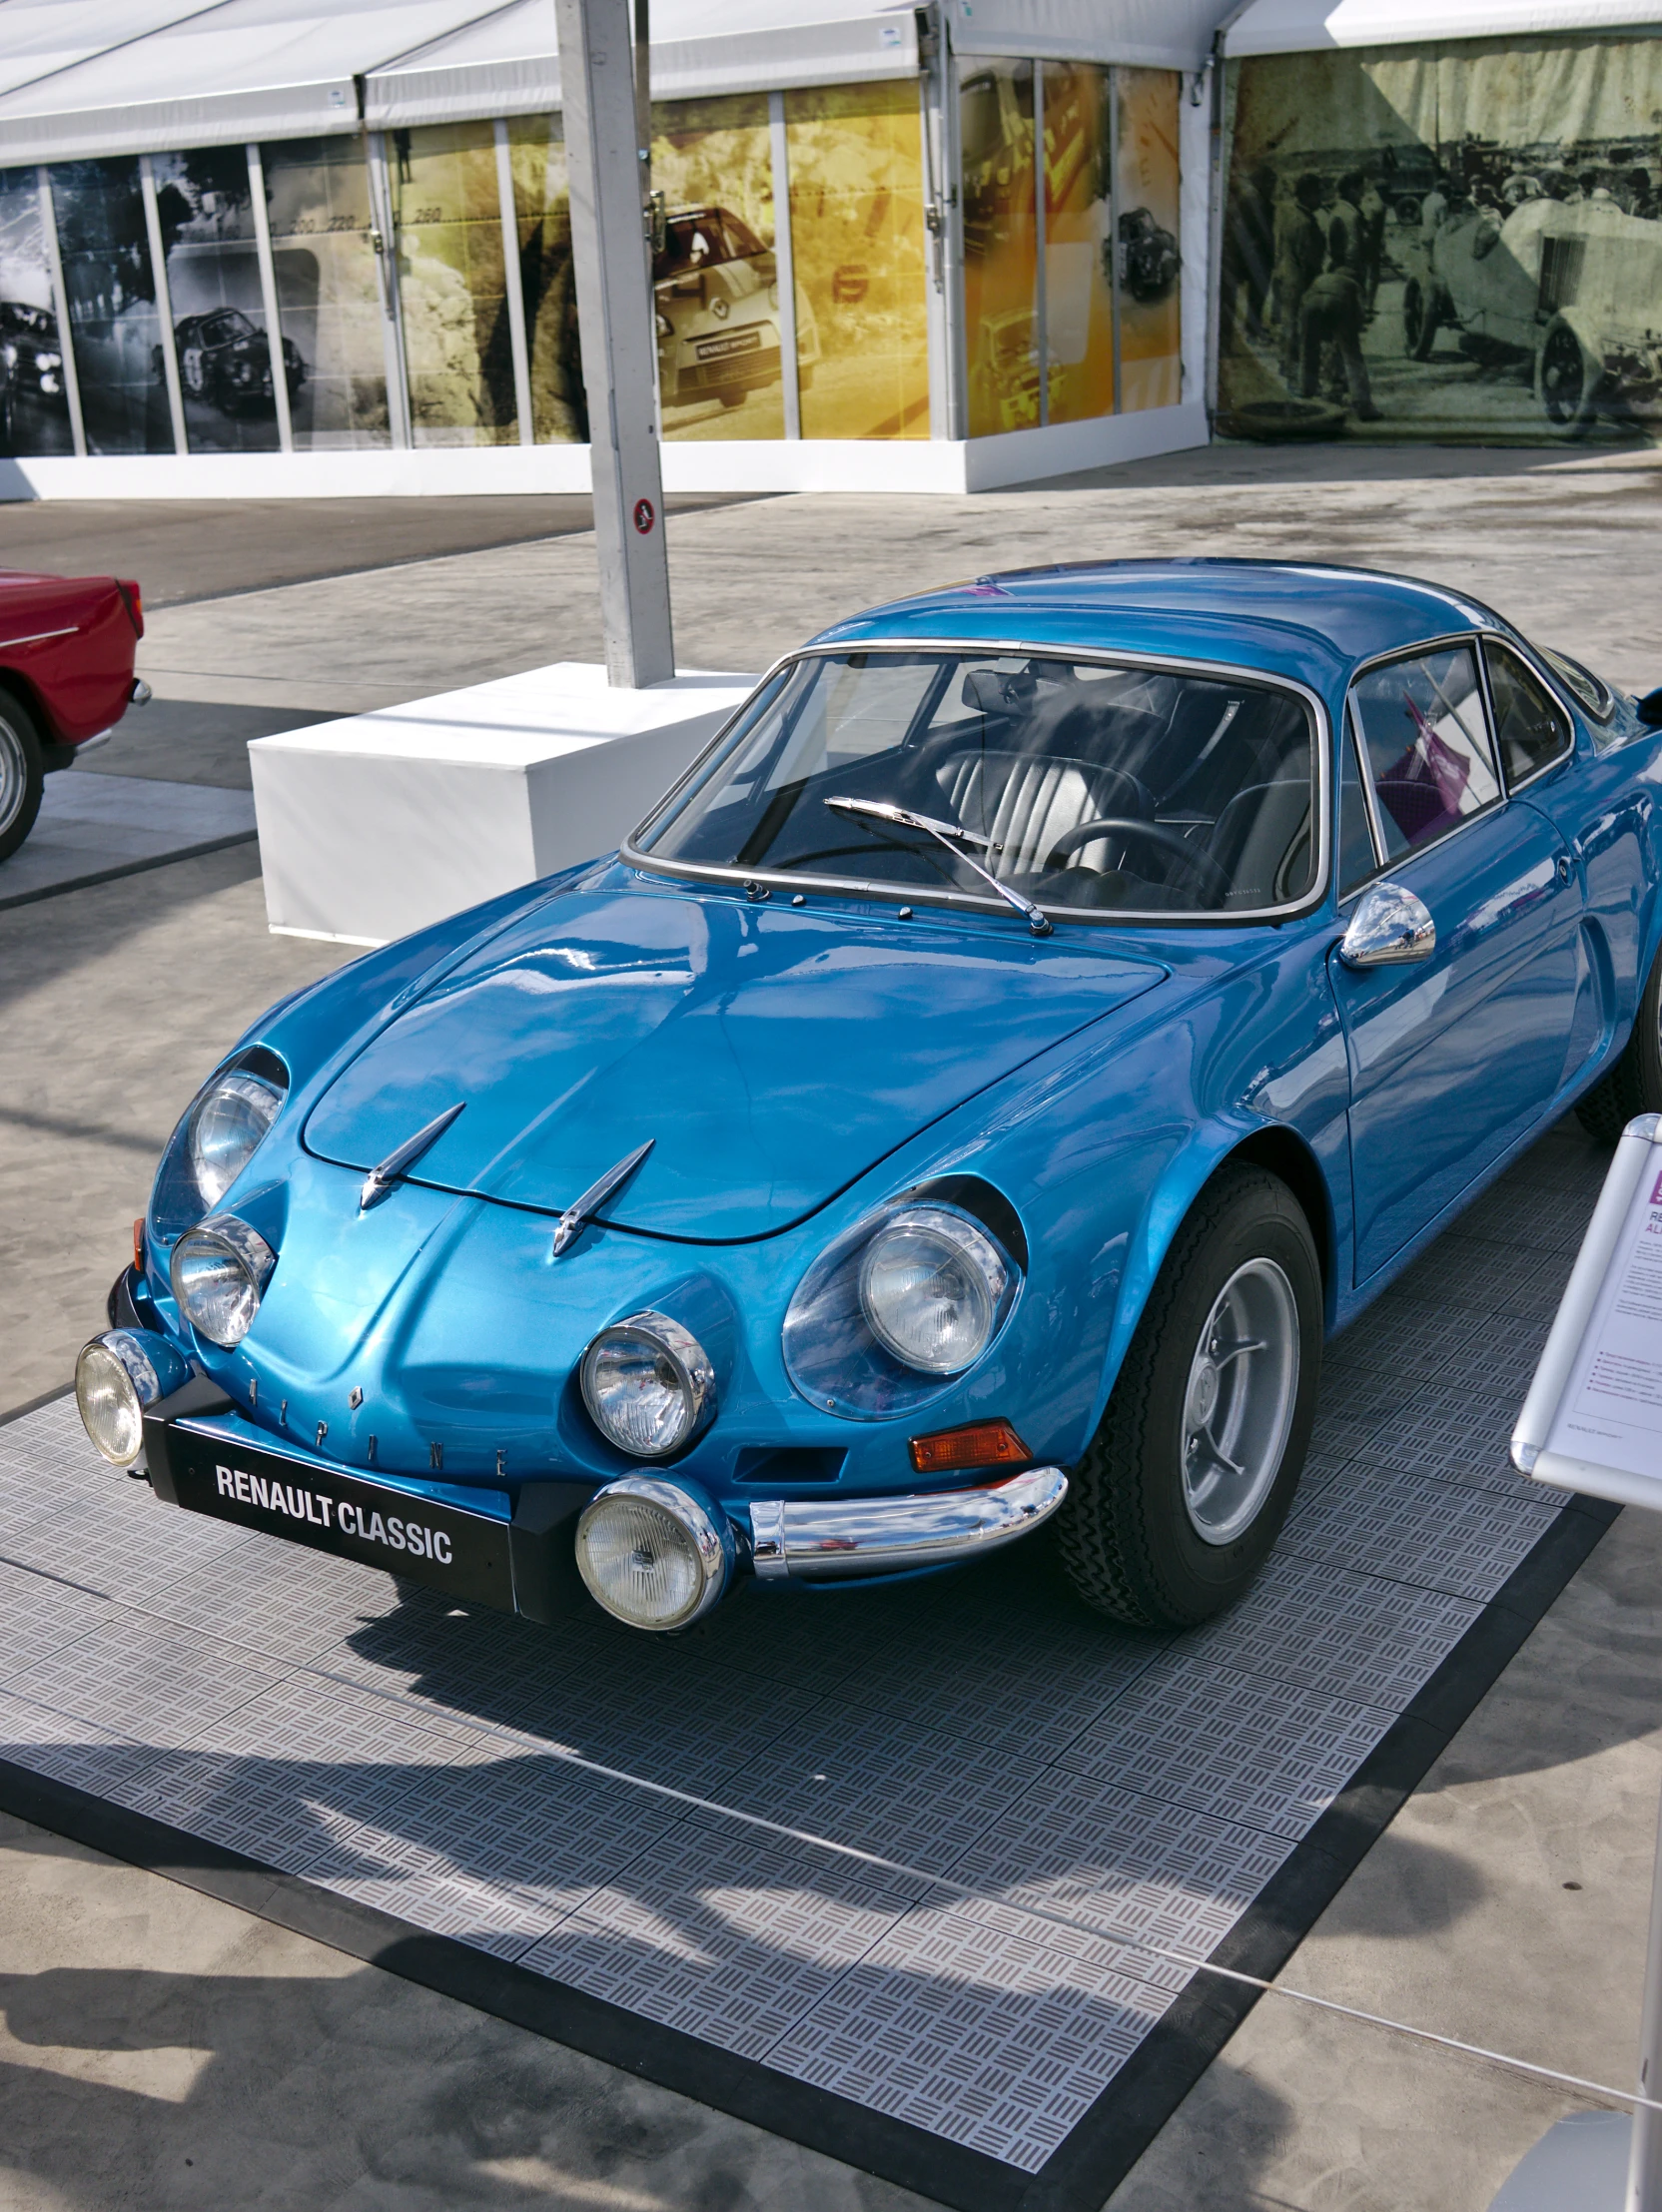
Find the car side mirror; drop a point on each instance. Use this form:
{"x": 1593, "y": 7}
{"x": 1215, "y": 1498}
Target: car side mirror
{"x": 1650, "y": 709}
{"x": 1388, "y": 927}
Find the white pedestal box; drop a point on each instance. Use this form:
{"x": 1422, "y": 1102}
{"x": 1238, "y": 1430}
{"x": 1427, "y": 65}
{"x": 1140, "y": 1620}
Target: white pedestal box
{"x": 379, "y": 824}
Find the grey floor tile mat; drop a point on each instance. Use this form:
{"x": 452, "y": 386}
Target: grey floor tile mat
{"x": 929, "y": 1847}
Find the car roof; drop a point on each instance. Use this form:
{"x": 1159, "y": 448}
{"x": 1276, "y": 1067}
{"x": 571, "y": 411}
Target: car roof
{"x": 1308, "y": 620}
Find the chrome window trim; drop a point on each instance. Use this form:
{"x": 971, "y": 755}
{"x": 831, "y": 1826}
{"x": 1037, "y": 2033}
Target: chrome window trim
{"x": 1473, "y": 638}
{"x": 912, "y": 894}
{"x": 1507, "y": 645}
{"x": 1370, "y": 805}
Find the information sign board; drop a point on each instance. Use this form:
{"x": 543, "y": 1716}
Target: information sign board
{"x": 1593, "y": 1418}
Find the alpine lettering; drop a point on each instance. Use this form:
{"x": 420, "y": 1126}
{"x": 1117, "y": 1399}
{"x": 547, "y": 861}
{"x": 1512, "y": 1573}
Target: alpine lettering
{"x": 295, "y": 1503}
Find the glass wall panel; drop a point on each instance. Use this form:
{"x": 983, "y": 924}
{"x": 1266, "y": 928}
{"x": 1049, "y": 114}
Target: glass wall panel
{"x": 715, "y": 283}
{"x": 1079, "y": 247}
{"x": 1001, "y": 245}
{"x": 33, "y": 412}
{"x": 328, "y": 290}
{"x": 857, "y": 236}
{"x": 1151, "y": 330}
{"x": 218, "y": 315}
{"x": 458, "y": 352}
{"x": 112, "y": 306}
{"x": 543, "y": 208}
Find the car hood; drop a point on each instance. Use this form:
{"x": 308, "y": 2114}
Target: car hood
{"x": 772, "y": 1053}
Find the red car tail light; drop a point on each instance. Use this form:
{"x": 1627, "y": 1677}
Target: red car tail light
{"x": 134, "y": 597}
{"x": 977, "y": 1444}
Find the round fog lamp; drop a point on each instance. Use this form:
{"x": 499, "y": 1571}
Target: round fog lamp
{"x": 220, "y": 1272}
{"x": 930, "y": 1288}
{"x": 648, "y": 1385}
{"x": 652, "y": 1554}
{"x": 116, "y": 1378}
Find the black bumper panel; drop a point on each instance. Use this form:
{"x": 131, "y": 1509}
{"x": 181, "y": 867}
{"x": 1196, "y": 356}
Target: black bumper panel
{"x": 524, "y": 1566}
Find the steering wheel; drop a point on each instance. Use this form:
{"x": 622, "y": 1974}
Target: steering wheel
{"x": 1207, "y": 874}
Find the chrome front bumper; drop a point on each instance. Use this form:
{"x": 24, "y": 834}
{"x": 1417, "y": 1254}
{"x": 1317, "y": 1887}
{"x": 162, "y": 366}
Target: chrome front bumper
{"x": 819, "y": 1539}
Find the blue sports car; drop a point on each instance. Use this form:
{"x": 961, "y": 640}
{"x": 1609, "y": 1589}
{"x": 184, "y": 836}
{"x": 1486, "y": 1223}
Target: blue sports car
{"x": 966, "y": 1103}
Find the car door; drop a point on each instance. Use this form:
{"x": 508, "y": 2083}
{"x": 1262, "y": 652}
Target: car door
{"x": 1601, "y": 809}
{"x": 1458, "y": 1052}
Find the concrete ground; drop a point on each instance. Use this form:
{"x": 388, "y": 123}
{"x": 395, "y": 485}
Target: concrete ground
{"x": 160, "y": 2051}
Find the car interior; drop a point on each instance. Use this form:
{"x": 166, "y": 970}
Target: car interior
{"x": 1079, "y": 785}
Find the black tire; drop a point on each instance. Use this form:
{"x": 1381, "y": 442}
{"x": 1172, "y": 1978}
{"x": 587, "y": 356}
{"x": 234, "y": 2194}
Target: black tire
{"x": 1567, "y": 381}
{"x": 21, "y": 774}
{"x": 1634, "y": 1084}
{"x": 1421, "y": 319}
{"x": 733, "y": 398}
{"x": 1125, "y": 1534}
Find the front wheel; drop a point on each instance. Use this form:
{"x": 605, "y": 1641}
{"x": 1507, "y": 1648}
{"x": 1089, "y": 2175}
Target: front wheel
{"x": 1175, "y": 1504}
{"x": 1634, "y": 1083}
{"x": 21, "y": 772}
{"x": 1567, "y": 380}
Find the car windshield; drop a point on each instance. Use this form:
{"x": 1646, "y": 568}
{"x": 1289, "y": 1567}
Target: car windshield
{"x": 701, "y": 240}
{"x": 1080, "y": 785}
{"x": 221, "y": 328}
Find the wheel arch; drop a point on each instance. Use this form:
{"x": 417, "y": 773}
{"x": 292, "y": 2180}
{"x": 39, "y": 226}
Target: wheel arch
{"x": 1209, "y": 1152}
{"x": 22, "y": 692}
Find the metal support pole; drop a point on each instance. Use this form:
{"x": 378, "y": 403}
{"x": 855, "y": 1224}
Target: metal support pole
{"x": 513, "y": 291}
{"x": 784, "y": 260}
{"x": 614, "y": 316}
{"x": 268, "y": 294}
{"x": 163, "y": 304}
{"x": 1041, "y": 273}
{"x": 1644, "y": 2168}
{"x": 1114, "y": 220}
{"x": 384, "y": 236}
{"x": 60, "y": 307}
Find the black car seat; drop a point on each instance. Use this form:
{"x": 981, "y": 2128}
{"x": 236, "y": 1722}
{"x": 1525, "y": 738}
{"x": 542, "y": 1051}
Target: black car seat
{"x": 1025, "y": 801}
{"x": 1262, "y": 840}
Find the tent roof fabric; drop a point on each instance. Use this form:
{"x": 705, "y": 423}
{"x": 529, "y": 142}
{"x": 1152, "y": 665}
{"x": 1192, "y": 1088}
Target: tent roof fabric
{"x": 81, "y": 78}
{"x": 40, "y": 37}
{"x": 504, "y": 64}
{"x": 242, "y": 69}
{"x": 1309, "y": 26}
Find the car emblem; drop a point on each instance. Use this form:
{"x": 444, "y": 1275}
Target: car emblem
{"x": 575, "y": 1218}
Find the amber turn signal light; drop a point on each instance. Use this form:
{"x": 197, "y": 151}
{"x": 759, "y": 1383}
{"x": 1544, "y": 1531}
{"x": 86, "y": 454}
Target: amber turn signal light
{"x": 977, "y": 1444}
{"x": 137, "y": 1246}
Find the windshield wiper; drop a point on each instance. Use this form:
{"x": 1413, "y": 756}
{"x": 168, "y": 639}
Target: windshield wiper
{"x": 946, "y": 834}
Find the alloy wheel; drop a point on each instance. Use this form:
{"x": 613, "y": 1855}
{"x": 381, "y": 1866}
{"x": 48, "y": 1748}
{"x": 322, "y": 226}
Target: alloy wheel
{"x": 14, "y": 776}
{"x": 1239, "y": 1406}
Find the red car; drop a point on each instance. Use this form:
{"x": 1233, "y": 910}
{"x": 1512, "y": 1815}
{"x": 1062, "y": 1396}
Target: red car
{"x": 66, "y": 676}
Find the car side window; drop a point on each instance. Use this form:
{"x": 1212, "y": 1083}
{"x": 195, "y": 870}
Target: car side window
{"x": 1356, "y": 857}
{"x": 1533, "y": 728}
{"x": 1426, "y": 743}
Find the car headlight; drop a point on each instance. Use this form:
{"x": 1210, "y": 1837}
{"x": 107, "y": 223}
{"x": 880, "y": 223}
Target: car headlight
{"x": 49, "y": 360}
{"x": 653, "y": 1554}
{"x": 931, "y": 1284}
{"x": 219, "y": 1271}
{"x": 648, "y": 1385}
{"x": 116, "y": 1378}
{"x": 901, "y": 1305}
{"x": 666, "y": 328}
{"x": 719, "y": 309}
{"x": 227, "y": 1128}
